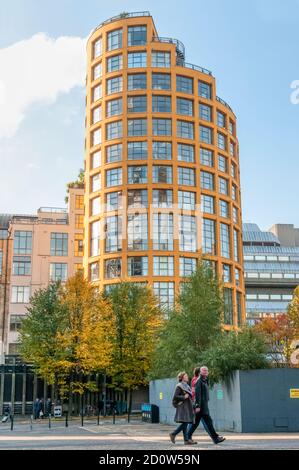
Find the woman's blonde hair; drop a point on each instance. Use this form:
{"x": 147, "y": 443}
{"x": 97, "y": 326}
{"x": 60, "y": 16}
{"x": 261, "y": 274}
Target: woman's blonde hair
{"x": 181, "y": 375}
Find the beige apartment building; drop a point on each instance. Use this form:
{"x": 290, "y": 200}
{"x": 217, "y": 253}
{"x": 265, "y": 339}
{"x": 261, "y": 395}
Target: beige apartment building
{"x": 45, "y": 247}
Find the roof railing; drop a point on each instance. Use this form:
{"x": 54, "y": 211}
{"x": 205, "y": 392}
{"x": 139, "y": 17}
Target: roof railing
{"x": 194, "y": 67}
{"x": 224, "y": 103}
{"x": 180, "y": 48}
{"x": 134, "y": 14}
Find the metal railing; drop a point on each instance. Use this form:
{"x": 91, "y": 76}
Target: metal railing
{"x": 180, "y": 48}
{"x": 53, "y": 210}
{"x": 224, "y": 103}
{"x": 134, "y": 14}
{"x": 193, "y": 67}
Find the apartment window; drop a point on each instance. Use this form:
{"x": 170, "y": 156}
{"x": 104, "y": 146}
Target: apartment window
{"x": 233, "y": 170}
{"x": 223, "y": 186}
{"x": 186, "y": 200}
{"x": 112, "y": 268}
{"x": 234, "y": 192}
{"x": 187, "y": 266}
{"x": 163, "y": 266}
{"x": 114, "y": 153}
{"x": 165, "y": 293}
{"x": 205, "y": 134}
{"x": 221, "y": 139}
{"x": 224, "y": 209}
{"x": 137, "y": 127}
{"x": 15, "y": 322}
{"x": 97, "y": 71}
{"x": 204, "y": 90}
{"x": 228, "y": 306}
{"x": 236, "y": 245}
{"x": 162, "y": 127}
{"x": 137, "y": 104}
{"x": 160, "y": 59}
{"x": 21, "y": 265}
{"x": 187, "y": 233}
{"x": 238, "y": 277}
{"x": 20, "y": 294}
{"x": 206, "y": 157}
{"x": 208, "y": 237}
{"x": 97, "y": 48}
{"x": 137, "y": 198}
{"x": 114, "y": 201}
{"x": 221, "y": 119}
{"x": 186, "y": 176}
{"x": 22, "y": 242}
{"x": 137, "y": 174}
{"x": 114, "y": 107}
{"x": 161, "y": 81}
{"x": 79, "y": 221}
{"x": 137, "y": 232}
{"x": 114, "y": 40}
{"x": 186, "y": 153}
{"x": 94, "y": 270}
{"x": 162, "y": 231}
{"x": 161, "y": 104}
{"x": 207, "y": 180}
{"x": 184, "y": 84}
{"x": 162, "y": 174}
{"x": 184, "y": 106}
{"x": 185, "y": 129}
{"x": 114, "y": 130}
{"x": 136, "y": 35}
{"x": 97, "y": 114}
{"x": 95, "y": 206}
{"x": 97, "y": 93}
{"x": 96, "y": 159}
{"x": 235, "y": 215}
{"x": 239, "y": 308}
{"x": 113, "y": 177}
{"x": 137, "y": 150}
{"x": 205, "y": 112}
{"x": 113, "y": 234}
{"x": 137, "y": 81}
{"x": 114, "y": 85}
{"x": 97, "y": 137}
{"x": 224, "y": 241}
{"x": 58, "y": 272}
{"x": 231, "y": 128}
{"x": 232, "y": 149}
{"x": 136, "y": 60}
{"x": 59, "y": 244}
{"x": 79, "y": 202}
{"x": 138, "y": 266}
{"x": 95, "y": 230}
{"x": 78, "y": 244}
{"x": 115, "y": 63}
{"x": 96, "y": 183}
{"x": 162, "y": 150}
{"x": 162, "y": 198}
{"x": 222, "y": 163}
{"x": 208, "y": 204}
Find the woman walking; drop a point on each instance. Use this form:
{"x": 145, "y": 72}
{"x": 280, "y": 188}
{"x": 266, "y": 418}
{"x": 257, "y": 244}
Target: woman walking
{"x": 182, "y": 401}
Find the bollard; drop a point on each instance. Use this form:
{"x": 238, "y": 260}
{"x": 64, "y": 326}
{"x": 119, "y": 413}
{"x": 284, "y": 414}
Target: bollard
{"x": 66, "y": 419}
{"x": 49, "y": 420}
{"x": 11, "y": 422}
{"x": 31, "y": 422}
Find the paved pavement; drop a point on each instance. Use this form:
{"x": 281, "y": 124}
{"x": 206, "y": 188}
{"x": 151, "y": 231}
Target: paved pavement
{"x": 121, "y": 436}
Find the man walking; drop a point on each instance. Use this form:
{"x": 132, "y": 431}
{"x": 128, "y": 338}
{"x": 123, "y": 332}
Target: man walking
{"x": 202, "y": 407}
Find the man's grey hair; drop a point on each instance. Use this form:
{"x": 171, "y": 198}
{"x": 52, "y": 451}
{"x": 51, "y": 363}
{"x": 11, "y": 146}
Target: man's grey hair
{"x": 204, "y": 367}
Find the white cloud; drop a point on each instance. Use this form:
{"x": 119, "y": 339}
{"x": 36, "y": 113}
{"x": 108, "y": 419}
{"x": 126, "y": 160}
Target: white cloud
{"x": 37, "y": 70}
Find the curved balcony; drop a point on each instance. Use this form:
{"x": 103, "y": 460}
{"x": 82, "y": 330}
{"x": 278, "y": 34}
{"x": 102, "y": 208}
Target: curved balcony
{"x": 224, "y": 103}
{"x": 180, "y": 48}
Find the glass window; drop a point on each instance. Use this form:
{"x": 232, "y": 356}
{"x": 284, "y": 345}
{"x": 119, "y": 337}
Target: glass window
{"x": 136, "y": 60}
{"x": 162, "y": 150}
{"x": 163, "y": 266}
{"x": 165, "y": 293}
{"x": 97, "y": 48}
{"x": 204, "y": 90}
{"x": 223, "y": 208}
{"x": 137, "y": 127}
{"x": 162, "y": 174}
{"x": 160, "y": 59}
{"x": 113, "y": 177}
{"x": 59, "y": 244}
{"x": 58, "y": 272}
{"x": 114, "y": 107}
{"x": 113, "y": 201}
{"x": 185, "y": 129}
{"x": 114, "y": 40}
{"x": 97, "y": 137}
{"x": 161, "y": 81}
{"x": 184, "y": 84}
{"x": 137, "y": 104}
{"x": 236, "y": 245}
{"x": 207, "y": 204}
{"x": 113, "y": 234}
{"x": 96, "y": 182}
{"x": 22, "y": 242}
{"x": 79, "y": 202}
{"x": 207, "y": 180}
{"x": 186, "y": 176}
{"x": 232, "y": 149}
{"x": 114, "y": 130}
{"x": 137, "y": 174}
{"x": 223, "y": 186}
{"x": 221, "y": 140}
{"x": 231, "y": 128}
{"x": 161, "y": 126}
{"x": 137, "y": 150}
{"x": 235, "y": 215}
{"x": 228, "y": 306}
{"x": 114, "y": 153}
{"x": 220, "y": 119}
{"x": 161, "y": 104}
{"x": 224, "y": 240}
{"x": 15, "y": 323}
{"x": 184, "y": 106}
{"x": 205, "y": 134}
{"x": 21, "y": 265}
{"x": 115, "y": 63}
{"x": 187, "y": 266}
{"x": 137, "y": 198}
{"x": 114, "y": 85}
{"x": 208, "y": 237}
{"x": 206, "y": 157}
{"x": 138, "y": 266}
{"x": 233, "y": 171}
{"x": 234, "y": 192}
{"x": 97, "y": 71}
{"x": 97, "y": 93}
{"x": 162, "y": 198}
{"x": 137, "y": 232}
{"x": 186, "y": 200}
{"x": 112, "y": 268}
{"x": 97, "y": 114}
{"x": 20, "y": 294}
{"x": 187, "y": 233}
{"x": 137, "y": 81}
{"x": 94, "y": 270}
{"x": 237, "y": 276}
{"x": 186, "y": 153}
{"x": 95, "y": 238}
{"x": 95, "y": 206}
{"x": 205, "y": 112}
{"x": 136, "y": 35}
{"x": 78, "y": 244}
{"x": 162, "y": 231}
{"x": 222, "y": 163}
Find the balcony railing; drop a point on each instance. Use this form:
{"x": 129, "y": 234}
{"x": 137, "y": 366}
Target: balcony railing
{"x": 180, "y": 48}
{"x": 193, "y": 67}
{"x": 134, "y": 14}
{"x": 224, "y": 103}
{"x": 53, "y": 210}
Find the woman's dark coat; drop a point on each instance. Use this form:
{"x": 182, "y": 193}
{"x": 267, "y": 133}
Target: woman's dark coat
{"x": 184, "y": 409}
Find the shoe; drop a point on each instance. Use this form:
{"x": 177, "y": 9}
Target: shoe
{"x": 172, "y": 438}
{"x": 189, "y": 443}
{"x": 219, "y": 439}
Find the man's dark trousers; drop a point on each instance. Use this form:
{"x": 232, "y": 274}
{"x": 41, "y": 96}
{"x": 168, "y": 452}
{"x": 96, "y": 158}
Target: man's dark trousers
{"x": 208, "y": 424}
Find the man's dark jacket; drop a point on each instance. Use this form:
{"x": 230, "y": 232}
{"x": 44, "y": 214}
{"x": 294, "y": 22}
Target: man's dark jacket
{"x": 202, "y": 396}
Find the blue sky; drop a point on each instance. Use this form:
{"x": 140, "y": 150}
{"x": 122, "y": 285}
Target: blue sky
{"x": 251, "y": 48}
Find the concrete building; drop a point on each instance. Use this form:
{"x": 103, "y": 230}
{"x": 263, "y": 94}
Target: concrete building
{"x": 271, "y": 264}
{"x": 161, "y": 166}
